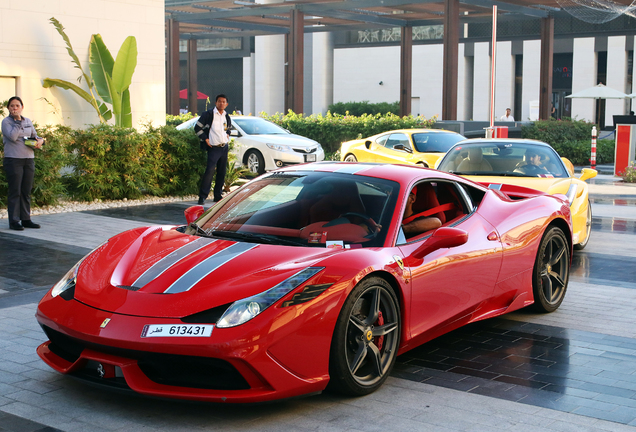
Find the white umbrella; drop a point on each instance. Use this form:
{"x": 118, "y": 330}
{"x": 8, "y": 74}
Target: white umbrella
{"x": 599, "y": 91}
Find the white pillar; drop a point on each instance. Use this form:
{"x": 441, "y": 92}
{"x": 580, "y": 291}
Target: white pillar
{"x": 322, "y": 71}
{"x": 269, "y": 74}
{"x": 531, "y": 85}
{"x": 616, "y": 76}
{"x": 461, "y": 83}
{"x": 481, "y": 81}
{"x": 248, "y": 85}
{"x": 505, "y": 83}
{"x": 584, "y": 69}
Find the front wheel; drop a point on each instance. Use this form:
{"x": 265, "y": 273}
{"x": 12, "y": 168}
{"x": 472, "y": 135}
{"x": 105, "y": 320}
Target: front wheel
{"x": 255, "y": 162}
{"x": 551, "y": 271}
{"x": 366, "y": 338}
{"x": 588, "y": 228}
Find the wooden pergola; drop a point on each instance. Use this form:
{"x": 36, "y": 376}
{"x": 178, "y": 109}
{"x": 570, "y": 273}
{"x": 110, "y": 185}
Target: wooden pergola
{"x": 194, "y": 20}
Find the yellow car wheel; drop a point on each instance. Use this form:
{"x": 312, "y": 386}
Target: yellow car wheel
{"x": 350, "y": 158}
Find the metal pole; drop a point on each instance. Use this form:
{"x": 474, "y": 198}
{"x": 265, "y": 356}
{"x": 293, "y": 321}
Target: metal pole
{"x": 493, "y": 71}
{"x": 593, "y": 156}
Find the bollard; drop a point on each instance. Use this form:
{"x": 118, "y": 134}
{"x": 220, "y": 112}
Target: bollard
{"x": 593, "y": 158}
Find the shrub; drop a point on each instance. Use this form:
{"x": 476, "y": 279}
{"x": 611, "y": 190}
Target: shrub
{"x": 331, "y": 130}
{"x": 364, "y": 107}
{"x": 176, "y": 120}
{"x": 629, "y": 175}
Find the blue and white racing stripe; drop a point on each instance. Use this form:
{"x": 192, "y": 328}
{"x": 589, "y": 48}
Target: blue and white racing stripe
{"x": 207, "y": 266}
{"x": 169, "y": 260}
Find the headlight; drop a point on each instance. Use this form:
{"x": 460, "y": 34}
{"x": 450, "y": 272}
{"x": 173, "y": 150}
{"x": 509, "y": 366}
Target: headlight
{"x": 279, "y": 147}
{"x": 571, "y": 193}
{"x": 68, "y": 280}
{"x": 244, "y": 310}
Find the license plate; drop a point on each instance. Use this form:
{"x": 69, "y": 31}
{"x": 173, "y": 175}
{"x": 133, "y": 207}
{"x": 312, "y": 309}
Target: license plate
{"x": 180, "y": 330}
{"x": 310, "y": 158}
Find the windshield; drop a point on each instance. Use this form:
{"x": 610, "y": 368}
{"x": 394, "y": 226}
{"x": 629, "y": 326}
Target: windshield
{"x": 315, "y": 209}
{"x": 515, "y": 159}
{"x": 258, "y": 126}
{"x": 435, "y": 142}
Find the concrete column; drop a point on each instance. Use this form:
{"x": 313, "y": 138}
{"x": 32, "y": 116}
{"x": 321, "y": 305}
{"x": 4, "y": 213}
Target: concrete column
{"x": 248, "y": 85}
{"x": 481, "y": 82}
{"x": 269, "y": 74}
{"x": 505, "y": 83}
{"x": 193, "y": 102}
{"x": 461, "y": 83}
{"x": 616, "y": 77}
{"x": 584, "y": 69}
{"x": 531, "y": 81}
{"x": 322, "y": 72}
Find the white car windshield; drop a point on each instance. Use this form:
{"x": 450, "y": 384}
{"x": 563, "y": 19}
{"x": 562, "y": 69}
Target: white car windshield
{"x": 315, "y": 209}
{"x": 258, "y": 126}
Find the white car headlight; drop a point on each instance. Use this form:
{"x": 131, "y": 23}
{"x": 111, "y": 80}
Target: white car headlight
{"x": 279, "y": 147}
{"x": 68, "y": 280}
{"x": 244, "y": 310}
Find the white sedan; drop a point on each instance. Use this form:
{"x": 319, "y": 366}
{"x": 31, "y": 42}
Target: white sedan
{"x": 262, "y": 146}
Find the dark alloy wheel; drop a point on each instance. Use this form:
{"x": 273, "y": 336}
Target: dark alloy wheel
{"x": 366, "y": 338}
{"x": 588, "y": 228}
{"x": 255, "y": 162}
{"x": 551, "y": 271}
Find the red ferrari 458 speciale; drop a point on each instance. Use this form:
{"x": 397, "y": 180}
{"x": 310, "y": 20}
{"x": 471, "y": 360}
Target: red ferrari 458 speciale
{"x": 301, "y": 279}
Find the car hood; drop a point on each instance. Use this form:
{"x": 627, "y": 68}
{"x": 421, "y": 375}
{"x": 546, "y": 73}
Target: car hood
{"x": 160, "y": 272}
{"x": 284, "y": 139}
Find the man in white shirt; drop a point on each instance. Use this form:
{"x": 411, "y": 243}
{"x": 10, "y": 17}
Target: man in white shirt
{"x": 213, "y": 130}
{"x": 507, "y": 116}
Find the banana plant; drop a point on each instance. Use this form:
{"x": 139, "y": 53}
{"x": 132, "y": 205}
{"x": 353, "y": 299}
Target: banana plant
{"x": 107, "y": 81}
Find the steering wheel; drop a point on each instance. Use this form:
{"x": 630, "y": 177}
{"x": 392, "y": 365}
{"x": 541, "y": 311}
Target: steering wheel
{"x": 373, "y": 227}
{"x": 532, "y": 170}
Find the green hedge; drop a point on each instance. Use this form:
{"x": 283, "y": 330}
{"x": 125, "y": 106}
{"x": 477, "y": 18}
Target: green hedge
{"x": 331, "y": 130}
{"x": 364, "y": 107}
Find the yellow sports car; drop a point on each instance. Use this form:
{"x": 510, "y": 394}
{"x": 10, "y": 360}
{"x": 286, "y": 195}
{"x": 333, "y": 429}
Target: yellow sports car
{"x": 513, "y": 164}
{"x": 421, "y": 147}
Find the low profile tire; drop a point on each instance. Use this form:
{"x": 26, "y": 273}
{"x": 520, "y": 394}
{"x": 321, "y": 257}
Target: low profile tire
{"x": 366, "y": 339}
{"x": 588, "y": 228}
{"x": 351, "y": 158}
{"x": 551, "y": 271}
{"x": 255, "y": 162}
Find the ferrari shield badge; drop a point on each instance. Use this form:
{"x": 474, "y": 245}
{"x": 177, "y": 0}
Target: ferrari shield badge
{"x": 104, "y": 323}
{"x": 399, "y": 262}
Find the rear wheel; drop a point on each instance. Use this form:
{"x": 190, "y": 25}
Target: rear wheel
{"x": 366, "y": 338}
{"x": 350, "y": 158}
{"x": 588, "y": 228}
{"x": 551, "y": 271}
{"x": 255, "y": 162}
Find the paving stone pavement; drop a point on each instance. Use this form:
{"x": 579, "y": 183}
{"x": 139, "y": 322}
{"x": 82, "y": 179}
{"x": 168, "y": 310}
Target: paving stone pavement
{"x": 459, "y": 382}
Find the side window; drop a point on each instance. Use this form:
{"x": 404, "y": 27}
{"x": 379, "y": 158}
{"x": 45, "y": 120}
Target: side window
{"x": 472, "y": 195}
{"x": 382, "y": 140}
{"x": 396, "y": 139}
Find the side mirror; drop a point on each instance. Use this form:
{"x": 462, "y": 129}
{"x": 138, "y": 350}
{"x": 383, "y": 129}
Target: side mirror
{"x": 401, "y": 147}
{"x": 444, "y": 237}
{"x": 235, "y": 133}
{"x": 367, "y": 144}
{"x": 193, "y": 213}
{"x": 587, "y": 173}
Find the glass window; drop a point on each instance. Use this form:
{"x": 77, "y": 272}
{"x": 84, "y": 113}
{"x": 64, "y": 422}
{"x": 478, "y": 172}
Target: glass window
{"x": 435, "y": 142}
{"x": 398, "y": 139}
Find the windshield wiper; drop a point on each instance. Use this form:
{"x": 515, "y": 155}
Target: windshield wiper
{"x": 198, "y": 230}
{"x": 262, "y": 238}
